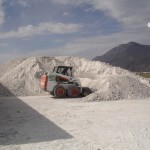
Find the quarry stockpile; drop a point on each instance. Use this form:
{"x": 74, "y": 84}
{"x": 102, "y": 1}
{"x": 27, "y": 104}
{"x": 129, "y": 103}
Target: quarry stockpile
{"x": 21, "y": 78}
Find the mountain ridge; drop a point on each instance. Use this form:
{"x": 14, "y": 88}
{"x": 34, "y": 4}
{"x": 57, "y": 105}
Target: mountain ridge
{"x": 131, "y": 56}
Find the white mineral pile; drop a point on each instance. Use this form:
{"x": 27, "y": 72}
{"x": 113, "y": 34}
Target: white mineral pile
{"x": 20, "y": 77}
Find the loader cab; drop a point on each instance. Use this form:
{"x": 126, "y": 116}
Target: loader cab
{"x": 65, "y": 70}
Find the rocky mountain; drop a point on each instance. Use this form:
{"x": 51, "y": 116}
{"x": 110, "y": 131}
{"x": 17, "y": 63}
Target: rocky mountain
{"x": 131, "y": 56}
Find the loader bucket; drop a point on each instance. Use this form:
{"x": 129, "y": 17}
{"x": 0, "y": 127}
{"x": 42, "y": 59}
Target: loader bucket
{"x": 43, "y": 82}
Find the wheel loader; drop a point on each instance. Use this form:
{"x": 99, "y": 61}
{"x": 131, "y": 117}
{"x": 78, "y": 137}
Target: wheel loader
{"x": 61, "y": 82}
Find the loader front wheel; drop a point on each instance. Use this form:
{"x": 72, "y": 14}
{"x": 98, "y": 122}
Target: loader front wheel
{"x": 73, "y": 91}
{"x": 60, "y": 91}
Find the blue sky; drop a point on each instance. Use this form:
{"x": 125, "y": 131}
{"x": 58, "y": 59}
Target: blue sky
{"x": 84, "y": 28}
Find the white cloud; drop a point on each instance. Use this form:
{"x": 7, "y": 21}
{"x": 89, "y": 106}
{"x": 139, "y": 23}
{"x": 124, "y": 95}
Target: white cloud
{"x": 66, "y": 14}
{"x": 23, "y": 2}
{"x": 148, "y": 24}
{"x": 42, "y": 28}
{"x": 3, "y": 44}
{"x": 2, "y": 14}
{"x": 74, "y": 2}
{"x": 131, "y": 13}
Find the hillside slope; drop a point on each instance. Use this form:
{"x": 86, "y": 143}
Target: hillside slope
{"x": 131, "y": 56}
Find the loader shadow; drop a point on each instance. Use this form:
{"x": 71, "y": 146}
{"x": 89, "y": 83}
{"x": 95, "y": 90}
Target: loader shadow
{"x": 65, "y": 98}
{"x": 21, "y": 124}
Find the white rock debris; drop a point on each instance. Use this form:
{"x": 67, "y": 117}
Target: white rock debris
{"x": 20, "y": 78}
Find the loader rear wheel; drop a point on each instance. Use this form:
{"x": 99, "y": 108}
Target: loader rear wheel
{"x": 60, "y": 91}
{"x": 73, "y": 91}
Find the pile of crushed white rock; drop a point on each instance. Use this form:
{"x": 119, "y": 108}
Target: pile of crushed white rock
{"x": 19, "y": 78}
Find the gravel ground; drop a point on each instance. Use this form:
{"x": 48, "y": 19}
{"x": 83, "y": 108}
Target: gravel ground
{"x": 43, "y": 123}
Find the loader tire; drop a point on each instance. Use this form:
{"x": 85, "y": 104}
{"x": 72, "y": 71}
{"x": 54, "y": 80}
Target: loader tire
{"x": 73, "y": 91}
{"x": 59, "y": 91}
